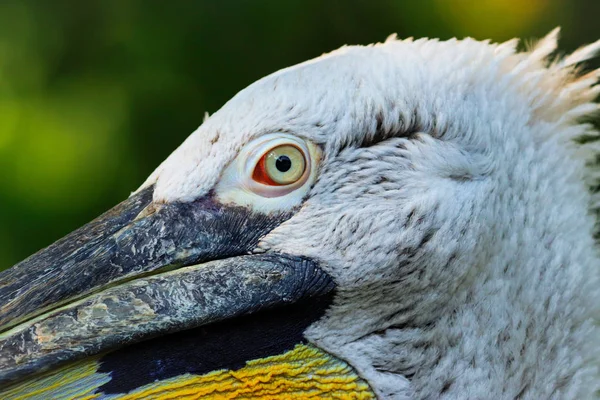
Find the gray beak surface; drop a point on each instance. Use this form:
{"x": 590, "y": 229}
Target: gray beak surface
{"x": 143, "y": 270}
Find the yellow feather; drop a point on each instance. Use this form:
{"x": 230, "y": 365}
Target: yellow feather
{"x": 302, "y": 373}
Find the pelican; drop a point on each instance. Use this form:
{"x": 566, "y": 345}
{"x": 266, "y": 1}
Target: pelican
{"x": 405, "y": 220}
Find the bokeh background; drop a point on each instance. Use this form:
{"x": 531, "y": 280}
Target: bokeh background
{"x": 94, "y": 94}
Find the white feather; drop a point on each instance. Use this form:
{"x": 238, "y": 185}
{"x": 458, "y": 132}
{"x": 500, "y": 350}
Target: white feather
{"x": 450, "y": 207}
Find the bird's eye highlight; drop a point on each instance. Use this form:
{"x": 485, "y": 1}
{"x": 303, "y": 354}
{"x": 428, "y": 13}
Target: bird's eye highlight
{"x": 282, "y": 165}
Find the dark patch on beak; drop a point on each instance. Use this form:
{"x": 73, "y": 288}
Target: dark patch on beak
{"x": 135, "y": 238}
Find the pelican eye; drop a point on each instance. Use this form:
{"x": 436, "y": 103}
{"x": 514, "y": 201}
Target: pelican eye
{"x": 281, "y": 165}
{"x": 273, "y": 172}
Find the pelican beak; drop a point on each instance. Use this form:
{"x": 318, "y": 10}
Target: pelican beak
{"x": 143, "y": 270}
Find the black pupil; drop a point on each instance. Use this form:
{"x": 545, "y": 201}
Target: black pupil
{"x": 283, "y": 163}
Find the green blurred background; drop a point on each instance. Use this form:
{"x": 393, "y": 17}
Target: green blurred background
{"x": 94, "y": 94}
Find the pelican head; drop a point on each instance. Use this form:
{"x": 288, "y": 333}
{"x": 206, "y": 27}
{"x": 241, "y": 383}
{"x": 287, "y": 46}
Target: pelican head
{"x": 419, "y": 208}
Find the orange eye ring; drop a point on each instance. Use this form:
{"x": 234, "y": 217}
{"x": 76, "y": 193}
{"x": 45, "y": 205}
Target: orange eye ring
{"x": 260, "y": 175}
{"x": 272, "y": 172}
{"x": 282, "y": 165}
